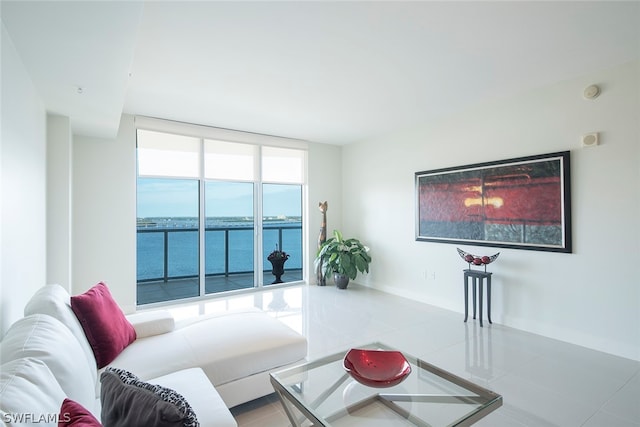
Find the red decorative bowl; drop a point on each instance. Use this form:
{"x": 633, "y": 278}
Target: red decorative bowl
{"x": 377, "y": 368}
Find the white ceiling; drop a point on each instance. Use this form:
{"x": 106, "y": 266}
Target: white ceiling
{"x": 333, "y": 72}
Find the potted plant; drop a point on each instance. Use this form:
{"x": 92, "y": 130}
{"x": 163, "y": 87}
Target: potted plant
{"x": 277, "y": 258}
{"x": 343, "y": 257}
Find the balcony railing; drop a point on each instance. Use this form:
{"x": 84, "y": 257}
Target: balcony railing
{"x": 183, "y": 258}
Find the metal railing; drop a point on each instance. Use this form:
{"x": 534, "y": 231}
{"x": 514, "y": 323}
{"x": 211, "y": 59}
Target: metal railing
{"x": 227, "y": 232}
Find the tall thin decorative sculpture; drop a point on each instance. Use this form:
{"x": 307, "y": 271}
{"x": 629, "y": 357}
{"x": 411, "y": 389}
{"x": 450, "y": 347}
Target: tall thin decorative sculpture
{"x": 321, "y": 280}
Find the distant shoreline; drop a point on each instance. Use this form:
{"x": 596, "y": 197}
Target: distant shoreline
{"x": 184, "y": 222}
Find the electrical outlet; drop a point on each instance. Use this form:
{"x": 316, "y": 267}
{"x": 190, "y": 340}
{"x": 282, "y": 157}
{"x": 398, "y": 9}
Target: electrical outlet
{"x": 429, "y": 275}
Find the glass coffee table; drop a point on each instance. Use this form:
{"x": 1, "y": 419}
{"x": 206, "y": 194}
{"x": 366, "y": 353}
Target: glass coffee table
{"x": 323, "y": 393}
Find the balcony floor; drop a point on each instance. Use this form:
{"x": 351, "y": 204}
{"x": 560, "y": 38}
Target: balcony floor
{"x": 175, "y": 289}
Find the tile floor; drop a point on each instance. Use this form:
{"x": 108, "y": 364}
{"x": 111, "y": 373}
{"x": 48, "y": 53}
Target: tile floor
{"x": 544, "y": 382}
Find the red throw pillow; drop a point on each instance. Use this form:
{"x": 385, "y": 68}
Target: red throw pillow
{"x": 104, "y": 324}
{"x": 73, "y": 414}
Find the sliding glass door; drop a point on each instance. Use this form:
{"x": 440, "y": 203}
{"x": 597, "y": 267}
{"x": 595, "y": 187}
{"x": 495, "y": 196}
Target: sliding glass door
{"x": 229, "y": 236}
{"x": 282, "y": 229}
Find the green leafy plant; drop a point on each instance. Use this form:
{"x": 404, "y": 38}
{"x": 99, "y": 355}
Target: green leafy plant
{"x": 343, "y": 256}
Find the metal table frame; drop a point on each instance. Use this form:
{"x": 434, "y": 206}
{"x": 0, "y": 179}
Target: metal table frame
{"x": 478, "y": 395}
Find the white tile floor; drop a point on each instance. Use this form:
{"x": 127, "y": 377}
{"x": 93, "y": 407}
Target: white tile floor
{"x": 543, "y": 382}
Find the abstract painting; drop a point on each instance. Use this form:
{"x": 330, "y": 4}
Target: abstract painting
{"x": 522, "y": 203}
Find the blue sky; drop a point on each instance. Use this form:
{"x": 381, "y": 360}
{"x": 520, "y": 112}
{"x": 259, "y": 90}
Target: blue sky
{"x": 179, "y": 197}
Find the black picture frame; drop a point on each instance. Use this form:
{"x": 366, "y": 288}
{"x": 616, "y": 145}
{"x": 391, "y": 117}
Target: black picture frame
{"x": 519, "y": 203}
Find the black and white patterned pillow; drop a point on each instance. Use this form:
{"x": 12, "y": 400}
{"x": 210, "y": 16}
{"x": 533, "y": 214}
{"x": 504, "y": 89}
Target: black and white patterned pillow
{"x": 166, "y": 394}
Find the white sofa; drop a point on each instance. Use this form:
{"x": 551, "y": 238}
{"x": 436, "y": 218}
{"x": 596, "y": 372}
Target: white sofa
{"x": 215, "y": 362}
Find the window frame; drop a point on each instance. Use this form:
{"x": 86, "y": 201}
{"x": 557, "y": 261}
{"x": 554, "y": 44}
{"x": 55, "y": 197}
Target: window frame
{"x": 206, "y": 133}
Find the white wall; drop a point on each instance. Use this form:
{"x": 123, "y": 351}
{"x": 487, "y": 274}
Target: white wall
{"x": 22, "y": 187}
{"x": 104, "y": 209}
{"x": 59, "y": 207}
{"x": 325, "y": 184}
{"x": 590, "y": 297}
{"x": 104, "y": 214}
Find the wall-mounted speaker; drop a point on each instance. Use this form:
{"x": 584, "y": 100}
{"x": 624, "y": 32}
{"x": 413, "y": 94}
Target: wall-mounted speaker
{"x": 590, "y": 139}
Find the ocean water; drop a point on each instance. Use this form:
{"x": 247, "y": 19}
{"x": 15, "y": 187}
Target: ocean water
{"x": 182, "y": 246}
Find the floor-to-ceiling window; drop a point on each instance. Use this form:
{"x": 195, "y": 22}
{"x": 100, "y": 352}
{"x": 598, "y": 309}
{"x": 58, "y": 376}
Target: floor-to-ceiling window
{"x": 230, "y": 171}
{"x": 209, "y": 212}
{"x": 282, "y": 177}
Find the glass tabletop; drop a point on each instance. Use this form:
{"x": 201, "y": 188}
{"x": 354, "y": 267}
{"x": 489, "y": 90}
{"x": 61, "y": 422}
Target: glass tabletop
{"x": 323, "y": 393}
